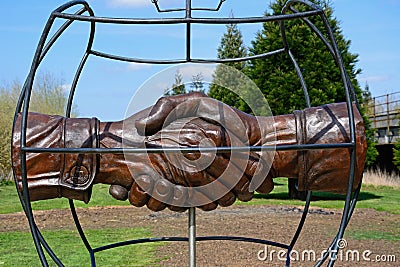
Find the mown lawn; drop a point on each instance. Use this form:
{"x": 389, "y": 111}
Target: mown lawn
{"x": 69, "y": 248}
{"x": 380, "y": 198}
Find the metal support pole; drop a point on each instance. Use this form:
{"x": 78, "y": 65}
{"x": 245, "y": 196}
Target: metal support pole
{"x": 192, "y": 237}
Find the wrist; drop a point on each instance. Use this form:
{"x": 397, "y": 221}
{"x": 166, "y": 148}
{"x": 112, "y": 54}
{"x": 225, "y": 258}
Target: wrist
{"x": 51, "y": 175}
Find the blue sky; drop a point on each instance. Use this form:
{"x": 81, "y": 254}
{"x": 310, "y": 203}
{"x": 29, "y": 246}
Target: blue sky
{"x": 106, "y": 87}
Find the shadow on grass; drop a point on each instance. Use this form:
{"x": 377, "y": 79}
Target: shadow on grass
{"x": 318, "y": 196}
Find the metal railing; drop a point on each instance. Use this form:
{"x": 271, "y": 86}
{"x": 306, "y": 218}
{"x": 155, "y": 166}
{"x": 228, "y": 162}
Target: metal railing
{"x": 383, "y": 111}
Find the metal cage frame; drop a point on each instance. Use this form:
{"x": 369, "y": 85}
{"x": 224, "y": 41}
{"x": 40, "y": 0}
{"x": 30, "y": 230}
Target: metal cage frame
{"x": 288, "y": 13}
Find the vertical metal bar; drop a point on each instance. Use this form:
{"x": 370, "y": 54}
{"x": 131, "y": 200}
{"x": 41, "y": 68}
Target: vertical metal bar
{"x": 374, "y": 113}
{"x": 192, "y": 237}
{"x": 347, "y": 209}
{"x": 188, "y": 30}
{"x": 387, "y": 119}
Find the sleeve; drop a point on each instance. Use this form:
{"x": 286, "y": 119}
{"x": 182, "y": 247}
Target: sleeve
{"x": 50, "y": 175}
{"x": 329, "y": 169}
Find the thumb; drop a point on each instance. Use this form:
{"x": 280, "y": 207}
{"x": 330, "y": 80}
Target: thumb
{"x": 161, "y": 110}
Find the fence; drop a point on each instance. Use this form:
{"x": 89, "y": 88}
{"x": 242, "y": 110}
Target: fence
{"x": 383, "y": 111}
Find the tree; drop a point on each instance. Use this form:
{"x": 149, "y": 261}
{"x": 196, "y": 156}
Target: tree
{"x": 177, "y": 87}
{"x": 231, "y": 46}
{"x": 278, "y": 80}
{"x": 365, "y": 105}
{"x": 197, "y": 84}
{"x": 396, "y": 154}
{"x": 276, "y": 76}
{"x": 48, "y": 96}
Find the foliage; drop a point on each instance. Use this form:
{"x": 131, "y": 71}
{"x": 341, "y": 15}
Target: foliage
{"x": 179, "y": 87}
{"x": 48, "y": 96}
{"x": 276, "y": 76}
{"x": 396, "y": 154}
{"x": 372, "y": 152}
{"x": 8, "y": 100}
{"x": 197, "y": 84}
{"x": 231, "y": 46}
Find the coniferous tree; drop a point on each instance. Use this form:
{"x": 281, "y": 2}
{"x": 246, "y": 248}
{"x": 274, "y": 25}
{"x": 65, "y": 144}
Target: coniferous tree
{"x": 197, "y": 84}
{"x": 277, "y": 78}
{"x": 231, "y": 46}
{"x": 178, "y": 87}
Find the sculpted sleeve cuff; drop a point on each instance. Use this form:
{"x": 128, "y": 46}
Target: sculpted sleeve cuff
{"x": 329, "y": 169}
{"x": 318, "y": 169}
{"x": 51, "y": 175}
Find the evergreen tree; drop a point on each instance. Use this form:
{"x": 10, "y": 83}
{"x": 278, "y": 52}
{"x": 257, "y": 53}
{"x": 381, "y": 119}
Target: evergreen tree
{"x": 365, "y": 104}
{"x": 197, "y": 84}
{"x": 277, "y": 78}
{"x": 177, "y": 87}
{"x": 231, "y": 46}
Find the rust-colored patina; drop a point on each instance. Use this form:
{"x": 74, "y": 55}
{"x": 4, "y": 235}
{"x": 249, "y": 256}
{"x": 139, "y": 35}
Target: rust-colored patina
{"x": 188, "y": 121}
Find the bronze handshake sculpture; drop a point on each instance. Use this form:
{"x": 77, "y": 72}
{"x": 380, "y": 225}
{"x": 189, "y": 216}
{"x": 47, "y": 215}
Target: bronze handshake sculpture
{"x": 181, "y": 180}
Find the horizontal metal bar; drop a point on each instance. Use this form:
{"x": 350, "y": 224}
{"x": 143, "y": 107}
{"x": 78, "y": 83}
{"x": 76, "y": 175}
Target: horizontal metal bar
{"x": 140, "y": 241}
{"x": 186, "y": 20}
{"x": 179, "y": 61}
{"x": 184, "y": 149}
{"x": 198, "y": 238}
{"x": 242, "y": 239}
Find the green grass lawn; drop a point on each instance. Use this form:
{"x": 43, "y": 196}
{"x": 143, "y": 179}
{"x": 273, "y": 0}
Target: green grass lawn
{"x": 100, "y": 197}
{"x": 69, "y": 248}
{"x": 380, "y": 198}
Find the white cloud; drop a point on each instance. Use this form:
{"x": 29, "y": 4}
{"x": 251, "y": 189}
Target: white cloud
{"x": 132, "y": 66}
{"x": 129, "y": 3}
{"x": 189, "y": 70}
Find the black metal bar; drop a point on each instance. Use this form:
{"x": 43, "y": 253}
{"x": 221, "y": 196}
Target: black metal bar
{"x": 301, "y": 78}
{"x": 188, "y": 16}
{"x": 25, "y": 106}
{"x": 185, "y": 149}
{"x": 155, "y": 2}
{"x": 58, "y": 34}
{"x": 189, "y": 20}
{"x": 352, "y": 207}
{"x": 81, "y": 64}
{"x": 302, "y": 221}
{"x": 179, "y": 61}
{"x": 185, "y": 239}
{"x": 78, "y": 225}
{"x": 43, "y": 48}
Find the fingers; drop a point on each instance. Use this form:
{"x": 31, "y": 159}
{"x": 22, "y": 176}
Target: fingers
{"x": 232, "y": 177}
{"x": 160, "y": 193}
{"x": 118, "y": 192}
{"x": 137, "y": 195}
{"x": 161, "y": 110}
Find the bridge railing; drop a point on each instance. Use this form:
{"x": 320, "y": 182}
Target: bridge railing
{"x": 383, "y": 111}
